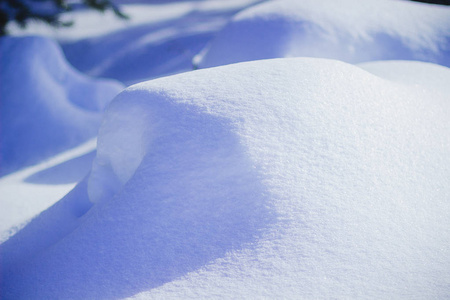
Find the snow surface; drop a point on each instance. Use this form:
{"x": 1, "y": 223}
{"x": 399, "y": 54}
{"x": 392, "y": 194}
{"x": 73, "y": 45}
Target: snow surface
{"x": 412, "y": 73}
{"x": 282, "y": 178}
{"x": 165, "y": 44}
{"x": 28, "y": 192}
{"x": 91, "y": 24}
{"x": 46, "y": 106}
{"x": 286, "y": 178}
{"x": 158, "y": 39}
{"x": 348, "y": 30}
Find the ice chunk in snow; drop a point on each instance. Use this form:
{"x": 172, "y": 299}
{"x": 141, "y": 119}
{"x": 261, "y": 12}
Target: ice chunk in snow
{"x": 46, "y": 106}
{"x": 279, "y": 178}
{"x": 351, "y": 30}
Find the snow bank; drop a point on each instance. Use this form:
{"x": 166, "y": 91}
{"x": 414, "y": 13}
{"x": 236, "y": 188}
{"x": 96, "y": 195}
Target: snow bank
{"x": 279, "y": 178}
{"x": 46, "y": 106}
{"x": 351, "y": 30}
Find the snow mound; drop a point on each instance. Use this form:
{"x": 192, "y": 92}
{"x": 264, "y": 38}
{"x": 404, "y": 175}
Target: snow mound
{"x": 352, "y": 31}
{"x": 279, "y": 178}
{"x": 46, "y": 106}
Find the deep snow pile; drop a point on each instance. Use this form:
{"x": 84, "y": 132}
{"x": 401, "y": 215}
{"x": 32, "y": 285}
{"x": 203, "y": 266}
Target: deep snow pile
{"x": 350, "y": 30}
{"x": 46, "y": 106}
{"x": 282, "y": 178}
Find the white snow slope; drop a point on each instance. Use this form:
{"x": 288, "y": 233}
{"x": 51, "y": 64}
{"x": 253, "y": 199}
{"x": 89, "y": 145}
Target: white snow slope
{"x": 46, "y": 106}
{"x": 286, "y": 178}
{"x": 348, "y": 30}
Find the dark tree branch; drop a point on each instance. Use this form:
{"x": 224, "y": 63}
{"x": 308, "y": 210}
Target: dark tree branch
{"x": 22, "y": 11}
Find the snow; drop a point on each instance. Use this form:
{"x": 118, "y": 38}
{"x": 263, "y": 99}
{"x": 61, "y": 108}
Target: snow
{"x": 275, "y": 178}
{"x": 46, "y": 106}
{"x": 322, "y": 173}
{"x": 158, "y": 39}
{"x": 351, "y": 31}
{"x": 92, "y": 24}
{"x": 28, "y": 192}
{"x": 412, "y": 73}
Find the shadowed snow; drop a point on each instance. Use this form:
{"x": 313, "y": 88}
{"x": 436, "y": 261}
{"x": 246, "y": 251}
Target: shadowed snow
{"x": 46, "y": 106}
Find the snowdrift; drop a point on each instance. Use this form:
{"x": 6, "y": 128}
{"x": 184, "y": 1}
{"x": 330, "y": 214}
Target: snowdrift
{"x": 351, "y": 30}
{"x": 279, "y": 178}
{"x": 46, "y": 106}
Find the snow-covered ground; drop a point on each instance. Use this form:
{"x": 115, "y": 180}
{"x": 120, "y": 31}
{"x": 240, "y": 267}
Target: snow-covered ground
{"x": 300, "y": 162}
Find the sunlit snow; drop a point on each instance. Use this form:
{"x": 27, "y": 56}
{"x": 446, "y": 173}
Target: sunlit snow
{"x": 308, "y": 158}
